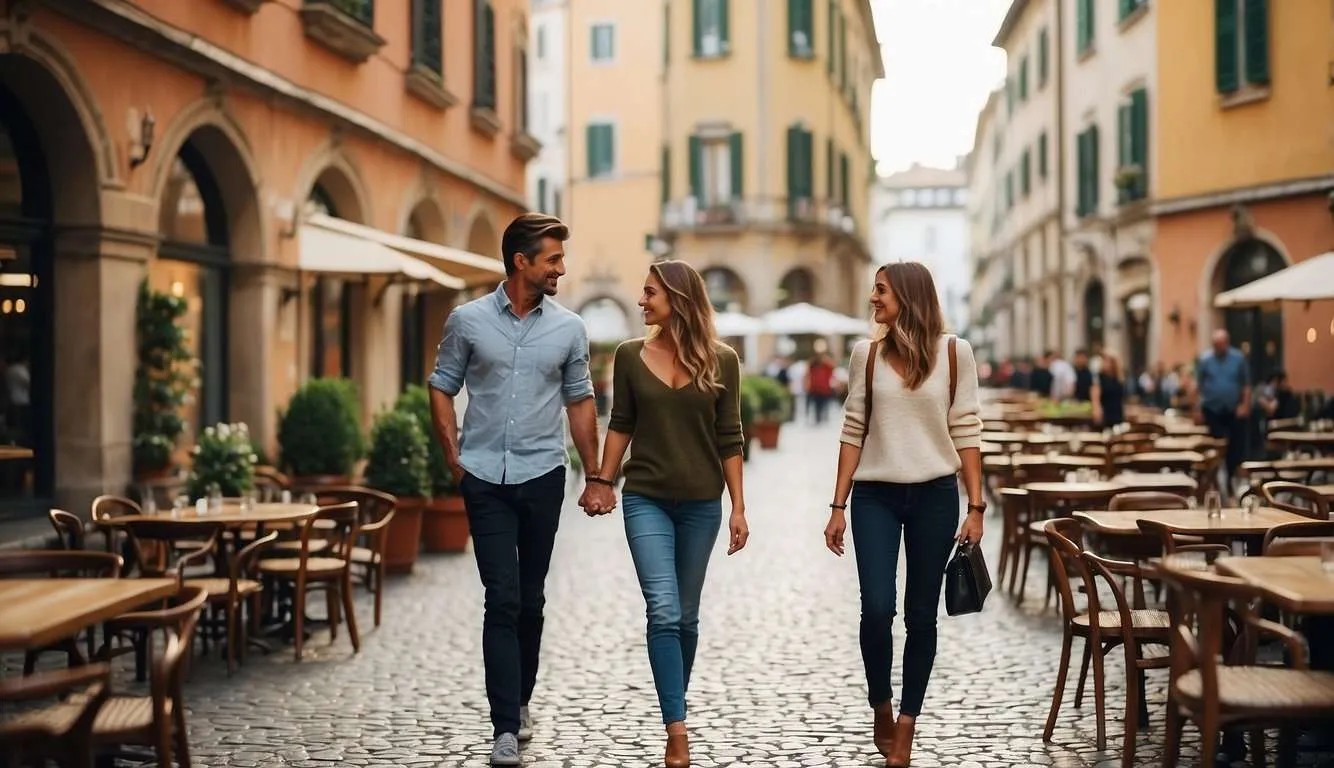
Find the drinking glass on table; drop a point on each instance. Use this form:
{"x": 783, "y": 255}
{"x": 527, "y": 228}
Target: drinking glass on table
{"x": 309, "y": 499}
{"x": 179, "y": 504}
{"x": 1213, "y": 503}
{"x": 214, "y": 499}
{"x": 1249, "y": 503}
{"x": 149, "y": 505}
{"x": 248, "y": 500}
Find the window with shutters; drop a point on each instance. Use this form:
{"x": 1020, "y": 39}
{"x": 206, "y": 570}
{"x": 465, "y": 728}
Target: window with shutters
{"x": 665, "y": 174}
{"x": 1241, "y": 45}
{"x": 711, "y": 18}
{"x": 1132, "y": 148}
{"x": 717, "y": 185}
{"x": 1025, "y": 174}
{"x": 540, "y": 203}
{"x": 541, "y": 43}
{"x": 800, "y": 173}
{"x": 1044, "y": 45}
{"x": 426, "y": 29}
{"x": 1023, "y": 79}
{"x": 842, "y": 50}
{"x": 1084, "y": 20}
{"x": 602, "y": 42}
{"x": 601, "y": 140}
{"x": 844, "y": 180}
{"x": 830, "y": 170}
{"x": 1086, "y": 156}
{"x": 484, "y": 56}
{"x": 801, "y": 29}
{"x": 1129, "y": 8}
{"x": 831, "y": 31}
{"x": 1042, "y": 156}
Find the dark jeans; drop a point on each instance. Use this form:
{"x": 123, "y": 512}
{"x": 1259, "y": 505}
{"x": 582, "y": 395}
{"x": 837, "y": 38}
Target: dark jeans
{"x": 1225, "y": 425}
{"x": 513, "y": 532}
{"x": 925, "y": 517}
{"x": 820, "y": 407}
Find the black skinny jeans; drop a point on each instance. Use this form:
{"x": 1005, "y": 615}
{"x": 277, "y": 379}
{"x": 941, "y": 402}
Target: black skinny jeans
{"x": 925, "y": 517}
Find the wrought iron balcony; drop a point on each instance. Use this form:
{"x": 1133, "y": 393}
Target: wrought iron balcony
{"x": 804, "y": 215}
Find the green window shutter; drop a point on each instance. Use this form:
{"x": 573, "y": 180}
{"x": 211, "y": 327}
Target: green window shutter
{"x": 601, "y": 150}
{"x": 665, "y": 174}
{"x": 1226, "y": 76}
{"x": 1094, "y": 175}
{"x": 1125, "y": 8}
{"x": 793, "y": 150}
{"x": 1023, "y": 79}
{"x": 832, "y": 41}
{"x": 1084, "y": 25}
{"x": 1124, "y": 142}
{"x": 725, "y": 24}
{"x": 1042, "y": 156}
{"x": 844, "y": 184}
{"x": 1081, "y": 174}
{"x": 1026, "y": 173}
{"x": 800, "y": 28}
{"x": 807, "y": 164}
{"x": 842, "y": 50}
{"x": 1255, "y": 26}
{"x": 830, "y": 169}
{"x": 696, "y": 169}
{"x": 541, "y": 202}
{"x": 735, "y": 151}
{"x": 1043, "y": 44}
{"x": 591, "y": 143}
{"x": 697, "y": 26}
{"x": 1139, "y": 135}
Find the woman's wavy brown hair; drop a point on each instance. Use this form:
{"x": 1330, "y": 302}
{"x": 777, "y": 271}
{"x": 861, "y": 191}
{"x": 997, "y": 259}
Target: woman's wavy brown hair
{"x": 915, "y": 334}
{"x": 690, "y": 327}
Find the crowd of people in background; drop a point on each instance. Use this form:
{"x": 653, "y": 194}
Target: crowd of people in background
{"x": 816, "y": 383}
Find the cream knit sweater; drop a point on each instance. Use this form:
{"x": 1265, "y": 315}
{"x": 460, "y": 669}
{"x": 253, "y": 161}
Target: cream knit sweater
{"x": 915, "y": 435}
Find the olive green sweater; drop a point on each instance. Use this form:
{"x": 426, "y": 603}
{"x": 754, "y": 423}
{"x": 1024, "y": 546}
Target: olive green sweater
{"x": 678, "y": 437}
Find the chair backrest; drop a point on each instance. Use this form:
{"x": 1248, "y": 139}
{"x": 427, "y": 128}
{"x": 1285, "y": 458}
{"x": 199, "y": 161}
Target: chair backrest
{"x": 69, "y": 528}
{"x": 270, "y": 482}
{"x": 153, "y": 540}
{"x": 107, "y": 506}
{"x": 59, "y": 563}
{"x": 342, "y": 535}
{"x": 1281, "y": 494}
{"x": 372, "y": 505}
{"x": 1202, "y": 599}
{"x": 1066, "y": 537}
{"x": 1297, "y": 531}
{"x": 1140, "y": 501}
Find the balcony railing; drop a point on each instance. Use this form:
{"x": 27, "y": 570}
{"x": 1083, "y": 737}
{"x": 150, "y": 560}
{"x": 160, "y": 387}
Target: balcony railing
{"x": 805, "y": 214}
{"x": 362, "y": 11}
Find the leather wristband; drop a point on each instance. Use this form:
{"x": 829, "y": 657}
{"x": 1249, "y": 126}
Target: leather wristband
{"x": 979, "y": 508}
{"x": 599, "y": 480}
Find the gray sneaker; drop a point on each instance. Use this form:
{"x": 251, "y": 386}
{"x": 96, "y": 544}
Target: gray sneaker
{"x": 525, "y": 724}
{"x": 505, "y": 751}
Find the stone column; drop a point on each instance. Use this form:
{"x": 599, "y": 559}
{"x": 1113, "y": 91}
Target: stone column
{"x": 257, "y": 290}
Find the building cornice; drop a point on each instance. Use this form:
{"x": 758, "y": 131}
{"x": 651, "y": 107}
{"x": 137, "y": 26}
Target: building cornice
{"x": 872, "y": 40}
{"x": 1250, "y": 194}
{"x": 139, "y": 29}
{"x": 1012, "y": 17}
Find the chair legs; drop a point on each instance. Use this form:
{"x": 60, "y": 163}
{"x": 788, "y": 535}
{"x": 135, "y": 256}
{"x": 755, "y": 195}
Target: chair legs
{"x": 378, "y": 570}
{"x": 345, "y": 587}
{"x": 1172, "y": 738}
{"x": 1062, "y": 672}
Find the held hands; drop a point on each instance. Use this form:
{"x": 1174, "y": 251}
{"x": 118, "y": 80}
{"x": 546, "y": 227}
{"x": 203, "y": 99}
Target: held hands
{"x": 738, "y": 531}
{"x": 597, "y": 499}
{"x": 971, "y": 529}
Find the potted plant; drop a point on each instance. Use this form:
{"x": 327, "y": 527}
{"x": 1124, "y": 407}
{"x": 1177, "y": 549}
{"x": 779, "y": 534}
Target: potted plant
{"x": 162, "y": 381}
{"x": 397, "y": 465}
{"x": 319, "y": 435}
{"x": 772, "y": 403}
{"x": 749, "y": 406}
{"x": 223, "y": 457}
{"x": 444, "y": 518}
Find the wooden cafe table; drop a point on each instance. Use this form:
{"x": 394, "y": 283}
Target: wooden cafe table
{"x": 1295, "y": 584}
{"x": 38, "y": 612}
{"x": 1322, "y": 440}
{"x": 1195, "y": 522}
{"x": 230, "y": 515}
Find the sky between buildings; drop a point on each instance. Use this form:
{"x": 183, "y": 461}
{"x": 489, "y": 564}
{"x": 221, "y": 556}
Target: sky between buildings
{"x": 939, "y": 68}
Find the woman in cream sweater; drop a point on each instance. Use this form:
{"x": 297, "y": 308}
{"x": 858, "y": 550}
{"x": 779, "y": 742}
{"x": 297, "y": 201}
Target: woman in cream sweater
{"x": 901, "y": 464}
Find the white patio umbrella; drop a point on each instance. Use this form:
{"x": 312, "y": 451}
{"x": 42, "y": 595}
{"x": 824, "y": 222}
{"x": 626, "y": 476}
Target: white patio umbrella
{"x": 736, "y": 324}
{"x": 1309, "y": 280}
{"x": 804, "y": 318}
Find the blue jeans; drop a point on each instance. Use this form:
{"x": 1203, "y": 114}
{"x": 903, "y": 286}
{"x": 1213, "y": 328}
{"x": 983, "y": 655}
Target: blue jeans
{"x": 670, "y": 542}
{"x": 925, "y": 516}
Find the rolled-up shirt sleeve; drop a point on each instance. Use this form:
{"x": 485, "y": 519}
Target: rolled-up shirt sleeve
{"x": 576, "y": 383}
{"x": 451, "y": 356}
{"x": 727, "y": 417}
{"x": 854, "y": 406}
{"x": 965, "y": 415}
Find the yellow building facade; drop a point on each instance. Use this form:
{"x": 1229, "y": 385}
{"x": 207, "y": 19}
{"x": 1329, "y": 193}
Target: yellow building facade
{"x": 733, "y": 134}
{"x": 1245, "y": 173}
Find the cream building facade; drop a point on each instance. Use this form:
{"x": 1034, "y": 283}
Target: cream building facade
{"x": 548, "y": 104}
{"x": 731, "y": 134}
{"x": 1109, "y": 57}
{"x": 986, "y": 325}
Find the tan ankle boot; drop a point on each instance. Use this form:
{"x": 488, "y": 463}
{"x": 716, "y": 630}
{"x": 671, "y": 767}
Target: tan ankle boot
{"x": 900, "y": 755}
{"x": 883, "y": 732}
{"x": 678, "y": 747}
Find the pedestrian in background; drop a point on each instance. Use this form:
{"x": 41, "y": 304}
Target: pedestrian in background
{"x": 1108, "y": 394}
{"x": 1223, "y": 387}
{"x": 677, "y": 400}
{"x": 901, "y": 462}
{"x": 522, "y": 357}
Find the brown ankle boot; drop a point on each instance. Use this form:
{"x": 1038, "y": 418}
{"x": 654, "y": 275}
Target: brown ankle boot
{"x": 883, "y": 732}
{"x": 678, "y": 747}
{"x": 900, "y": 755}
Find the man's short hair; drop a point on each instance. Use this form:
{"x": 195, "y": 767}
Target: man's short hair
{"x": 525, "y": 235}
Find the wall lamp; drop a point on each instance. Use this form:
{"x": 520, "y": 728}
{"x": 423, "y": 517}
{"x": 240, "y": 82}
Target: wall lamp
{"x": 140, "y": 146}
{"x": 1174, "y": 317}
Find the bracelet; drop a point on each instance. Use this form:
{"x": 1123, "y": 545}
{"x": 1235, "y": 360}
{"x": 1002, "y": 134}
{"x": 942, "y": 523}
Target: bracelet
{"x": 600, "y": 480}
{"x": 838, "y": 506}
{"x": 979, "y": 508}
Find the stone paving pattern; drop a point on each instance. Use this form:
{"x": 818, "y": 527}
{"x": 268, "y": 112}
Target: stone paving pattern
{"x": 778, "y": 680}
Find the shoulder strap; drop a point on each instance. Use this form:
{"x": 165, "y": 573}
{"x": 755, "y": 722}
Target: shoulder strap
{"x": 954, "y": 369}
{"x": 870, "y": 380}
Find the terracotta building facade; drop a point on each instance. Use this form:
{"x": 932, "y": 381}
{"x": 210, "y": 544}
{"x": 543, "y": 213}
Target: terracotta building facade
{"x": 320, "y": 181}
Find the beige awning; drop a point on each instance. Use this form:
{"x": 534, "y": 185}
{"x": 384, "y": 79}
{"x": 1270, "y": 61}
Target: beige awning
{"x": 471, "y": 268}
{"x": 328, "y": 250}
{"x": 1309, "y": 280}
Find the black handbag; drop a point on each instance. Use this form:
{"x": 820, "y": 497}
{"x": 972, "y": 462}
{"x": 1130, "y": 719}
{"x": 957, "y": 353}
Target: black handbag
{"x": 967, "y": 580}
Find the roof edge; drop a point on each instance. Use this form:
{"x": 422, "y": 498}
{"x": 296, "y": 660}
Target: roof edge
{"x": 1011, "y": 21}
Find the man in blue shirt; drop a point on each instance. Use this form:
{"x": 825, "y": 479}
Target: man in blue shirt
{"x": 523, "y": 358}
{"x": 1223, "y": 381}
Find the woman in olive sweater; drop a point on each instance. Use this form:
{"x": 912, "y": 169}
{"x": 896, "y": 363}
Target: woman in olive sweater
{"x": 677, "y": 397}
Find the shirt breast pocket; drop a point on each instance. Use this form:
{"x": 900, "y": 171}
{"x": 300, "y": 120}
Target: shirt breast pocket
{"x": 542, "y": 366}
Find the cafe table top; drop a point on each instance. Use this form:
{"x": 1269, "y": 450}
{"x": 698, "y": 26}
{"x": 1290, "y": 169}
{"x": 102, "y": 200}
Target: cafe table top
{"x": 1190, "y": 521}
{"x": 1295, "y": 584}
{"x": 1326, "y": 491}
{"x": 38, "y": 612}
{"x": 1126, "y": 481}
{"x": 230, "y": 514}
{"x": 1285, "y": 436}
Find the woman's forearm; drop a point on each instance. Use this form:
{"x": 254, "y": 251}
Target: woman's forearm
{"x": 971, "y": 460}
{"x": 849, "y": 456}
{"x": 613, "y": 452}
{"x": 732, "y": 476}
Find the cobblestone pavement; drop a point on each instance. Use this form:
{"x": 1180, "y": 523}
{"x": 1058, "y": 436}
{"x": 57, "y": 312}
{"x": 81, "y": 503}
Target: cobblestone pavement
{"x": 778, "y": 680}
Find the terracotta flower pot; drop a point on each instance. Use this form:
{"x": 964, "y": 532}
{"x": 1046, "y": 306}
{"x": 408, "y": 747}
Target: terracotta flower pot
{"x": 445, "y": 525}
{"x": 404, "y": 536}
{"x": 766, "y": 432}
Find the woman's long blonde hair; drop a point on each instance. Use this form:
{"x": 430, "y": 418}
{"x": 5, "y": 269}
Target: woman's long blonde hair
{"x": 690, "y": 327}
{"x": 915, "y": 334}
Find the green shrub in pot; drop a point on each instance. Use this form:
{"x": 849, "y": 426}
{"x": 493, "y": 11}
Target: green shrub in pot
{"x": 320, "y": 433}
{"x": 416, "y": 400}
{"x": 397, "y": 462}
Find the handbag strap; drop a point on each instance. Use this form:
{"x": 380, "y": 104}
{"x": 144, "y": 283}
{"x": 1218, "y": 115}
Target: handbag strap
{"x": 870, "y": 381}
{"x": 954, "y": 369}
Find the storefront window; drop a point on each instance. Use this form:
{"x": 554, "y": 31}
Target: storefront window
{"x": 331, "y": 311}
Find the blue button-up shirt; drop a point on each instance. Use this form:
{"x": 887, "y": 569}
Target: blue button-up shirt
{"x": 519, "y": 373}
{"x": 1222, "y": 379}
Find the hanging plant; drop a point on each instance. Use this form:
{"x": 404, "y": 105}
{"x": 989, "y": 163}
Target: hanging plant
{"x": 162, "y": 381}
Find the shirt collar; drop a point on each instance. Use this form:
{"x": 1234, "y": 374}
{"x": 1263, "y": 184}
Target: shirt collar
{"x": 503, "y": 302}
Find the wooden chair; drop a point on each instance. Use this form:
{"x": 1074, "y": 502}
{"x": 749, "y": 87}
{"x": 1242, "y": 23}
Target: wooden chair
{"x": 1130, "y": 626}
{"x": 1216, "y": 696}
{"x": 232, "y": 592}
{"x": 106, "y": 507}
{"x": 139, "y": 626}
{"x": 1296, "y": 531}
{"x": 62, "y": 731}
{"x": 331, "y": 572}
{"x": 270, "y": 483}
{"x": 1281, "y": 493}
{"x": 59, "y": 563}
{"x": 375, "y": 510}
{"x": 69, "y": 528}
{"x": 1014, "y": 521}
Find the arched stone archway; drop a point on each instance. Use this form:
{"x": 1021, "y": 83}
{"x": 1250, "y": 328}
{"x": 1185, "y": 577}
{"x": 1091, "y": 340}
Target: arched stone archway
{"x": 483, "y": 238}
{"x": 727, "y": 291}
{"x": 1257, "y": 332}
{"x": 606, "y": 319}
{"x": 797, "y": 286}
{"x": 422, "y": 308}
{"x": 332, "y": 184}
{"x": 336, "y": 304}
{"x": 50, "y": 174}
